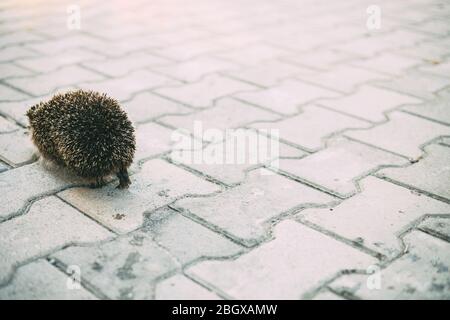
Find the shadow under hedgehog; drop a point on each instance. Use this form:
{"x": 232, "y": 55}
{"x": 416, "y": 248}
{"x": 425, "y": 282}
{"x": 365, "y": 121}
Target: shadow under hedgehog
{"x": 87, "y": 132}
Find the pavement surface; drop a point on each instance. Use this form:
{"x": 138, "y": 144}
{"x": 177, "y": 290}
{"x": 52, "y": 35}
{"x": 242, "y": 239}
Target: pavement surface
{"x": 354, "y": 203}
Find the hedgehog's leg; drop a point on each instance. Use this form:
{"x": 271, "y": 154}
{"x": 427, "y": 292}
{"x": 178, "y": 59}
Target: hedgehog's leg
{"x": 124, "y": 179}
{"x": 99, "y": 182}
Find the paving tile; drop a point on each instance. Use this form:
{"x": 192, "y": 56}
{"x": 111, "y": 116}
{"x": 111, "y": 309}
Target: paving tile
{"x": 437, "y": 109}
{"x": 377, "y": 216}
{"x": 417, "y": 84}
{"x": 17, "y": 109}
{"x": 387, "y": 63}
{"x": 118, "y": 67}
{"x": 286, "y": 97}
{"x": 50, "y": 224}
{"x": 369, "y": 103}
{"x": 125, "y": 87}
{"x": 269, "y": 73}
{"x": 226, "y": 113}
{"x": 21, "y": 185}
{"x": 436, "y": 226}
{"x": 47, "y": 83}
{"x": 146, "y": 106}
{"x": 9, "y": 94}
{"x": 203, "y": 94}
{"x": 180, "y": 287}
{"x": 245, "y": 212}
{"x": 157, "y": 184}
{"x": 344, "y": 79}
{"x": 15, "y": 52}
{"x": 16, "y": 147}
{"x": 190, "y": 50}
{"x": 410, "y": 131}
{"x": 195, "y": 69}
{"x": 320, "y": 59}
{"x": 253, "y": 54}
{"x": 50, "y": 63}
{"x": 311, "y": 127}
{"x": 152, "y": 139}
{"x": 65, "y": 44}
{"x": 7, "y": 126}
{"x": 421, "y": 273}
{"x": 430, "y": 174}
{"x": 12, "y": 70}
{"x": 339, "y": 167}
{"x": 41, "y": 281}
{"x": 295, "y": 262}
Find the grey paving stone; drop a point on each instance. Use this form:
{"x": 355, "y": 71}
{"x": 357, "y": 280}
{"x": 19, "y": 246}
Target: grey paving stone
{"x": 16, "y": 147}
{"x": 410, "y": 133}
{"x": 18, "y": 37}
{"x": 12, "y": 70}
{"x": 387, "y": 63}
{"x": 286, "y": 97}
{"x": 124, "y": 268}
{"x": 180, "y": 287}
{"x": 245, "y": 212}
{"x": 430, "y": 174}
{"x": 229, "y": 160}
{"x": 117, "y": 67}
{"x": 269, "y": 73}
{"x": 369, "y": 103}
{"x": 192, "y": 49}
{"x": 17, "y": 109}
{"x": 125, "y": 87}
{"x": 377, "y": 216}
{"x": 146, "y": 106}
{"x": 253, "y": 54}
{"x": 195, "y": 69}
{"x": 311, "y": 127}
{"x": 47, "y": 83}
{"x": 226, "y": 113}
{"x": 417, "y": 84}
{"x": 65, "y": 44}
{"x": 7, "y": 126}
{"x": 295, "y": 262}
{"x": 50, "y": 224}
{"x": 52, "y": 62}
{"x": 436, "y": 226}
{"x": 157, "y": 184}
{"x": 343, "y": 78}
{"x": 421, "y": 273}
{"x": 203, "y": 94}
{"x": 437, "y": 109}
{"x": 41, "y": 281}
{"x": 339, "y": 167}
{"x": 319, "y": 59}
{"x": 441, "y": 69}
{"x": 15, "y": 52}
{"x": 21, "y": 185}
{"x": 9, "y": 94}
{"x": 152, "y": 139}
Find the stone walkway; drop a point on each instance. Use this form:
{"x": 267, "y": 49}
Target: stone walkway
{"x": 355, "y": 205}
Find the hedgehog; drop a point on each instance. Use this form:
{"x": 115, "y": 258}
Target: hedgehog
{"x": 86, "y": 132}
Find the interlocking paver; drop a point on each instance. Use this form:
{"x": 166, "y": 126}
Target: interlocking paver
{"x": 436, "y": 109}
{"x": 22, "y": 185}
{"x": 253, "y": 204}
{"x": 229, "y": 161}
{"x": 311, "y": 127}
{"x": 253, "y": 54}
{"x": 354, "y": 160}
{"x": 166, "y": 243}
{"x": 410, "y": 134}
{"x": 387, "y": 63}
{"x": 269, "y": 73}
{"x": 369, "y": 103}
{"x": 47, "y": 83}
{"x": 286, "y": 97}
{"x": 16, "y": 147}
{"x": 289, "y": 266}
{"x": 123, "y": 88}
{"x": 41, "y": 281}
{"x": 17, "y": 109}
{"x": 376, "y": 217}
{"x": 320, "y": 59}
{"x": 436, "y": 226}
{"x": 422, "y": 273}
{"x": 9, "y": 94}
{"x": 182, "y": 288}
{"x": 118, "y": 67}
{"x": 344, "y": 79}
{"x": 157, "y": 184}
{"x": 417, "y": 84}
{"x": 11, "y": 70}
{"x": 152, "y": 139}
{"x": 50, "y": 224}
{"x": 194, "y": 70}
{"x": 226, "y": 113}
{"x": 431, "y": 174}
{"x": 146, "y": 106}
{"x": 203, "y": 93}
